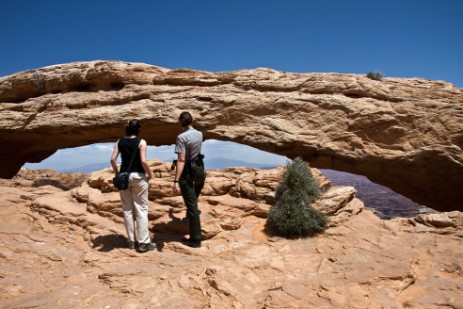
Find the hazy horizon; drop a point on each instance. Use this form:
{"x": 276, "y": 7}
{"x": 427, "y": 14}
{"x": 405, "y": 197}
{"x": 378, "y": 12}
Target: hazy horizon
{"x": 71, "y": 158}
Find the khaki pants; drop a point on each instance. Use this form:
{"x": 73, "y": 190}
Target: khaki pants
{"x": 135, "y": 208}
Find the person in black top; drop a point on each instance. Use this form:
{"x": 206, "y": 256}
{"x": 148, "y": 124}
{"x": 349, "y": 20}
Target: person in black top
{"x": 135, "y": 198}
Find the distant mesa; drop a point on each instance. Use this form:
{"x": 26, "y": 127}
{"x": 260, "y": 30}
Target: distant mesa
{"x": 221, "y": 163}
{"x": 211, "y": 164}
{"x": 89, "y": 168}
{"x": 406, "y": 134}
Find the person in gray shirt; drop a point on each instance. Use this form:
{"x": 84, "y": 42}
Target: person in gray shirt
{"x": 190, "y": 175}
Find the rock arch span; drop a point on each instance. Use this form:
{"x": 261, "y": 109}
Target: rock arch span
{"x": 406, "y": 134}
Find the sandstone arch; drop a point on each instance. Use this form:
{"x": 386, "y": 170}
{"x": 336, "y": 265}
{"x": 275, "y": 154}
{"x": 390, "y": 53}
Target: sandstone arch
{"x": 406, "y": 134}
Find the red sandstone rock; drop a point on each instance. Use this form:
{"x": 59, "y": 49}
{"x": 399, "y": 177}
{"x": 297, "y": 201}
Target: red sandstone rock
{"x": 406, "y": 134}
{"x": 68, "y": 249}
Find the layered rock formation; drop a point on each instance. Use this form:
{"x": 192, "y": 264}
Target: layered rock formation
{"x": 406, "y": 134}
{"x": 67, "y": 249}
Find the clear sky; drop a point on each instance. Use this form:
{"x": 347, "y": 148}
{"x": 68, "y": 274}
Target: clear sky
{"x": 402, "y": 38}
{"x": 98, "y": 155}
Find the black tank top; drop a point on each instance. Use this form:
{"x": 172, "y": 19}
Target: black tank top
{"x": 126, "y": 147}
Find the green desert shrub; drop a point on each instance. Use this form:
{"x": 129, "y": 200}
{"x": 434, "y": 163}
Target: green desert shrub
{"x": 39, "y": 81}
{"x": 292, "y": 214}
{"x": 376, "y": 75}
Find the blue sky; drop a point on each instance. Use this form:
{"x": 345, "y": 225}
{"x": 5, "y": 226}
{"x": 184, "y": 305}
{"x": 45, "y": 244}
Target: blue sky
{"x": 76, "y": 158}
{"x": 402, "y": 38}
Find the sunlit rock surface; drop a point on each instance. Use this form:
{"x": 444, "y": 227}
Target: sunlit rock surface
{"x": 406, "y": 134}
{"x": 67, "y": 249}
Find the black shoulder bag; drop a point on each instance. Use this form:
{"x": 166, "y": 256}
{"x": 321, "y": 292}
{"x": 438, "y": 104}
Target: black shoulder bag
{"x": 121, "y": 181}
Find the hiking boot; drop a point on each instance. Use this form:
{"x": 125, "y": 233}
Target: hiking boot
{"x": 146, "y": 247}
{"x": 131, "y": 244}
{"x": 191, "y": 243}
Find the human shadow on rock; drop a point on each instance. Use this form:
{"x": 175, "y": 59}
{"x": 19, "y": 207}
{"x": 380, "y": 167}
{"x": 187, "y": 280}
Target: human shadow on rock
{"x": 106, "y": 243}
{"x": 172, "y": 231}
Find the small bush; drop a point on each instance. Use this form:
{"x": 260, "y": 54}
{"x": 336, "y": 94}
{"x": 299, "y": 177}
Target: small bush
{"x": 292, "y": 215}
{"x": 376, "y": 75}
{"x": 39, "y": 81}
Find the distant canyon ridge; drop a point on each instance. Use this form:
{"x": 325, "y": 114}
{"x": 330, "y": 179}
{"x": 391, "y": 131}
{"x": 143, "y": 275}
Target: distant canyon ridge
{"x": 406, "y": 134}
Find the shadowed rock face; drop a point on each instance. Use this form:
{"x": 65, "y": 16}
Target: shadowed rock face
{"x": 406, "y": 134}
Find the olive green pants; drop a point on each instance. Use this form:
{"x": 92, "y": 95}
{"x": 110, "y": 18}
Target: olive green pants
{"x": 191, "y": 184}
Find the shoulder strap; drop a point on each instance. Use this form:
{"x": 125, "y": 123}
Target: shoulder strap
{"x": 129, "y": 168}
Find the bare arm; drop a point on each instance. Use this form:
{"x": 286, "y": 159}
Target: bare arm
{"x": 114, "y": 158}
{"x": 149, "y": 173}
{"x": 178, "y": 172}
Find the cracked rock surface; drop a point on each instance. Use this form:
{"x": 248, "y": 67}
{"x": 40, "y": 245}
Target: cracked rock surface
{"x": 403, "y": 133}
{"x": 67, "y": 249}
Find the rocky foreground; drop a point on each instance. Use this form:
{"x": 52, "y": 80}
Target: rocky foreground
{"x": 67, "y": 249}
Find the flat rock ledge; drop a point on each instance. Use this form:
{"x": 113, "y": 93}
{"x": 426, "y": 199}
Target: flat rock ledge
{"x": 68, "y": 249}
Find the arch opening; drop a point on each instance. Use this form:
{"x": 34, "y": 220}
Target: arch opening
{"x": 384, "y": 202}
{"x": 219, "y": 154}
{"x": 288, "y": 114}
